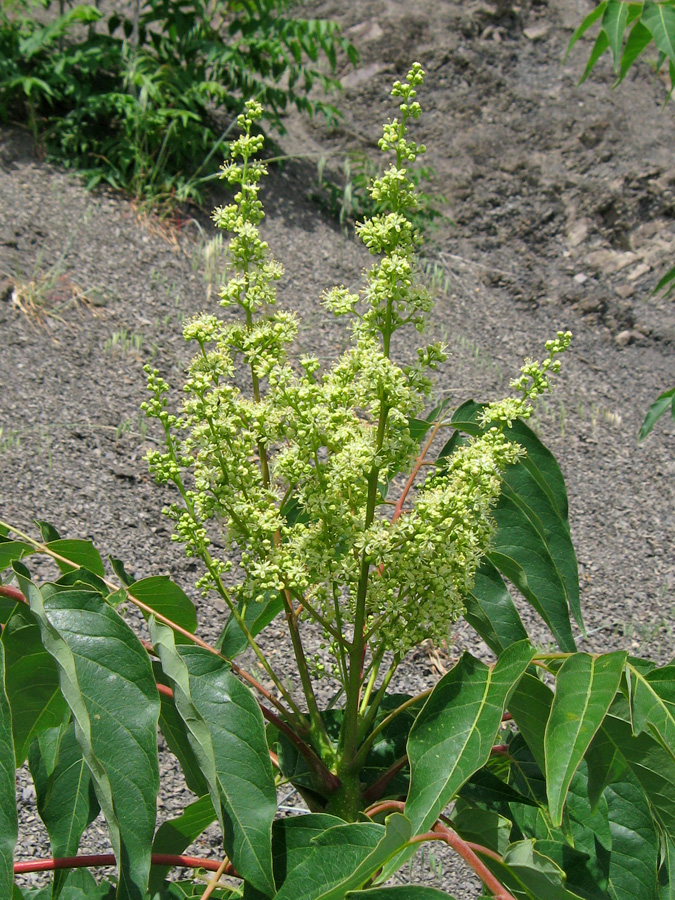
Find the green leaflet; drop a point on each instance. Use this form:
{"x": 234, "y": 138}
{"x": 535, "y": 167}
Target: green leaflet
{"x": 530, "y": 875}
{"x": 659, "y": 18}
{"x": 227, "y": 734}
{"x": 232, "y": 640}
{"x": 634, "y": 860}
{"x": 585, "y": 689}
{"x": 32, "y": 681}
{"x": 530, "y": 706}
{"x": 8, "y": 818}
{"x": 614, "y": 24}
{"x": 80, "y": 553}
{"x": 532, "y": 545}
{"x": 344, "y": 858}
{"x": 652, "y": 767}
{"x": 177, "y": 834}
{"x": 108, "y": 684}
{"x": 652, "y": 704}
{"x": 66, "y": 799}
{"x": 168, "y": 599}
{"x": 454, "y": 732}
{"x": 491, "y": 611}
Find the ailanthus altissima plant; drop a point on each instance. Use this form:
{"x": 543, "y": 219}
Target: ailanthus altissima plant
{"x": 550, "y": 773}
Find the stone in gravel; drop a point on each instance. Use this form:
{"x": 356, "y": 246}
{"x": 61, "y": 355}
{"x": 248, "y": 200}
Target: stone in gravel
{"x": 624, "y": 338}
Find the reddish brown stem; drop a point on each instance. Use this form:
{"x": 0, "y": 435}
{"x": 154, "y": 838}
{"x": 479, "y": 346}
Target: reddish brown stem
{"x": 468, "y": 853}
{"x": 500, "y": 750}
{"x": 507, "y": 717}
{"x": 385, "y": 806}
{"x": 107, "y": 859}
{"x": 12, "y": 593}
{"x": 377, "y": 788}
{"x": 413, "y": 475}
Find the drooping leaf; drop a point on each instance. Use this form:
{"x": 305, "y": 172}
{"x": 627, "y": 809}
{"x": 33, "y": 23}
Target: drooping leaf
{"x": 652, "y": 703}
{"x": 530, "y": 875}
{"x": 486, "y": 788}
{"x": 32, "y": 680}
{"x": 11, "y": 550}
{"x": 176, "y": 834}
{"x": 8, "y": 817}
{"x": 166, "y": 598}
{"x": 453, "y": 735}
{"x": 532, "y": 544}
{"x": 108, "y": 684}
{"x": 482, "y": 826}
{"x": 585, "y": 689}
{"x": 601, "y": 44}
{"x": 634, "y": 860}
{"x": 344, "y": 858}
{"x": 491, "y": 611}
{"x": 659, "y": 18}
{"x": 227, "y": 734}
{"x": 590, "y": 20}
{"x": 530, "y": 706}
{"x": 175, "y": 734}
{"x": 656, "y": 410}
{"x": 651, "y": 766}
{"x": 638, "y": 41}
{"x": 232, "y": 640}
{"x": 292, "y": 839}
{"x": 614, "y": 23}
{"x": 66, "y": 800}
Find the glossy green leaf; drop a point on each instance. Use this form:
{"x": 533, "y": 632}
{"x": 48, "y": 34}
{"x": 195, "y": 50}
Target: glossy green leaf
{"x": 482, "y": 826}
{"x": 601, "y": 44}
{"x": 634, "y": 860}
{"x": 532, "y": 545}
{"x": 344, "y": 858}
{"x": 491, "y": 611}
{"x": 8, "y": 818}
{"x": 79, "y": 553}
{"x": 175, "y": 734}
{"x": 585, "y": 688}
{"x": 530, "y": 706}
{"x": 659, "y": 18}
{"x": 11, "y": 550}
{"x": 652, "y": 703}
{"x": 614, "y": 22}
{"x": 530, "y": 875}
{"x": 232, "y": 640}
{"x": 175, "y": 835}
{"x": 292, "y": 839}
{"x": 656, "y": 410}
{"x": 66, "y": 799}
{"x": 453, "y": 735}
{"x": 587, "y": 23}
{"x": 638, "y": 41}
{"x": 32, "y": 680}
{"x": 108, "y": 684}
{"x": 165, "y": 597}
{"x": 486, "y": 788}
{"x": 652, "y": 767}
{"x": 227, "y": 734}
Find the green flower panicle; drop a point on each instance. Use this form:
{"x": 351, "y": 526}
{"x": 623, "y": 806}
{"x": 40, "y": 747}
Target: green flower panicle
{"x": 293, "y": 471}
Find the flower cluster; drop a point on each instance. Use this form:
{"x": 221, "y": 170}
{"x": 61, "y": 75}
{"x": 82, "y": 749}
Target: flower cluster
{"x": 295, "y": 471}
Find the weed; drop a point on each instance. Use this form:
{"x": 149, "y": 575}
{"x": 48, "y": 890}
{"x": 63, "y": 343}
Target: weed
{"x": 9, "y": 440}
{"x": 123, "y": 342}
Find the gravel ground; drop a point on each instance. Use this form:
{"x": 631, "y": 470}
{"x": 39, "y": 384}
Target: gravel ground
{"x": 562, "y": 200}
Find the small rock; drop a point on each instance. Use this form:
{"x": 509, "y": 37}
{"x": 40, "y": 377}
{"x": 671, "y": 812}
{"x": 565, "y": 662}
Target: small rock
{"x": 624, "y": 338}
{"x": 638, "y": 272}
{"x": 367, "y": 73}
{"x": 625, "y": 290}
{"x": 370, "y": 30}
{"x": 536, "y": 32}
{"x": 577, "y": 232}
{"x": 580, "y": 278}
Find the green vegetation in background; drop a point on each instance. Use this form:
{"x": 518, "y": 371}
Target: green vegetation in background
{"x": 142, "y": 101}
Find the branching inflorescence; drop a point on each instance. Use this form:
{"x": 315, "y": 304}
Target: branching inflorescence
{"x": 295, "y": 470}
